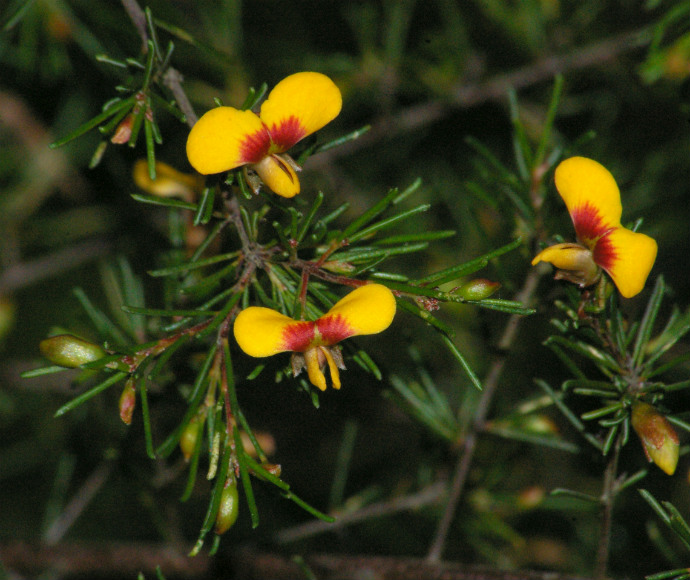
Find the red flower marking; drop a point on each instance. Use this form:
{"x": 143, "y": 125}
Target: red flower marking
{"x": 333, "y": 329}
{"x": 255, "y": 147}
{"x": 298, "y": 336}
{"x": 589, "y": 226}
{"x": 604, "y": 253}
{"x": 287, "y": 133}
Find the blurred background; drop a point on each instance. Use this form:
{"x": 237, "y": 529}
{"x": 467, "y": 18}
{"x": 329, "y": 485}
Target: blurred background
{"x": 426, "y": 76}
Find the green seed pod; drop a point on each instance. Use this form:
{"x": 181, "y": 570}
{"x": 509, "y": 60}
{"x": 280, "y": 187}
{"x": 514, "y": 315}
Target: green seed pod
{"x": 70, "y": 351}
{"x": 229, "y": 508}
{"x": 189, "y": 437}
{"x": 477, "y": 289}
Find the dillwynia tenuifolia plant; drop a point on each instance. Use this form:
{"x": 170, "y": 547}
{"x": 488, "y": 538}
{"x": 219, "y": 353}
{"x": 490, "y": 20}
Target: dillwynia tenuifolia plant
{"x": 616, "y": 362}
{"x": 257, "y": 269}
{"x": 249, "y": 279}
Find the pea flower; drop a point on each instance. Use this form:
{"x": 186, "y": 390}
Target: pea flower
{"x": 225, "y": 138}
{"x": 169, "y": 181}
{"x": 264, "y": 332}
{"x": 593, "y": 201}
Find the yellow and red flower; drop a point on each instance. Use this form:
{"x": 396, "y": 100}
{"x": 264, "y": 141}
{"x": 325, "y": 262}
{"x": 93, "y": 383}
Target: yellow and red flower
{"x": 225, "y": 138}
{"x": 593, "y": 201}
{"x": 264, "y": 332}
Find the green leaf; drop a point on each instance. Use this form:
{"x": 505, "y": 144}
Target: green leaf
{"x": 94, "y": 122}
{"x": 386, "y": 223}
{"x": 42, "y": 371}
{"x": 463, "y": 362}
{"x": 369, "y": 215}
{"x": 454, "y": 272}
{"x": 569, "y": 415}
{"x": 505, "y": 306}
{"x": 647, "y": 325}
{"x": 561, "y": 492}
{"x": 606, "y": 363}
{"x": 307, "y": 220}
{"x": 544, "y": 141}
{"x": 116, "y": 378}
{"x": 420, "y": 237}
{"x": 15, "y": 14}
{"x": 194, "y": 400}
{"x": 356, "y": 134}
{"x": 148, "y": 437}
{"x": 426, "y": 316}
{"x": 164, "y": 201}
{"x": 191, "y": 265}
{"x": 533, "y": 439}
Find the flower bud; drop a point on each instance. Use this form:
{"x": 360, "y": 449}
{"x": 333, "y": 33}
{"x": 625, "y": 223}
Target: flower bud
{"x": 338, "y": 267}
{"x": 189, "y": 437}
{"x": 229, "y": 508}
{"x": 124, "y": 130}
{"x": 477, "y": 289}
{"x": 128, "y": 400}
{"x": 70, "y": 351}
{"x": 659, "y": 439}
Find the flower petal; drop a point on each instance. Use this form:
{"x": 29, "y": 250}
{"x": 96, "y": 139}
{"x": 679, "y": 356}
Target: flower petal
{"x": 574, "y": 262}
{"x": 367, "y": 310}
{"x": 591, "y": 195}
{"x": 628, "y": 257}
{"x": 279, "y": 175}
{"x": 225, "y": 138}
{"x": 298, "y": 106}
{"x": 264, "y": 332}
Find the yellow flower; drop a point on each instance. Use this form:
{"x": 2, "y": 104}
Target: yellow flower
{"x": 593, "y": 200}
{"x": 169, "y": 182}
{"x": 226, "y": 138}
{"x": 264, "y": 332}
{"x": 659, "y": 439}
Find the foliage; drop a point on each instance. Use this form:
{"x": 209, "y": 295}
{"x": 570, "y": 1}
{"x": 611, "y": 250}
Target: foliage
{"x": 492, "y": 426}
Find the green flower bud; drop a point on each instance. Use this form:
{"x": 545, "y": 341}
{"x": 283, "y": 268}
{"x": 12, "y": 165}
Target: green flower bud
{"x": 478, "y": 289}
{"x": 70, "y": 351}
{"x": 659, "y": 439}
{"x": 229, "y": 508}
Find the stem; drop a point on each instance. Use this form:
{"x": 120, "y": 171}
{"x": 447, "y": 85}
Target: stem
{"x": 469, "y": 443}
{"x": 608, "y": 497}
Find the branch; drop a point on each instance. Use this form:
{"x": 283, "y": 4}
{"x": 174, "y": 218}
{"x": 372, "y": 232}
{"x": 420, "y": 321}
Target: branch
{"x": 254, "y": 566}
{"x": 112, "y": 559}
{"x": 464, "y": 96}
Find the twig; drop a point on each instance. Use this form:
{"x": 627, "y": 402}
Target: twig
{"x": 81, "y": 499}
{"x": 138, "y": 18}
{"x": 24, "y": 274}
{"x": 429, "y": 495}
{"x": 172, "y": 78}
{"x": 464, "y": 95}
{"x": 252, "y": 565}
